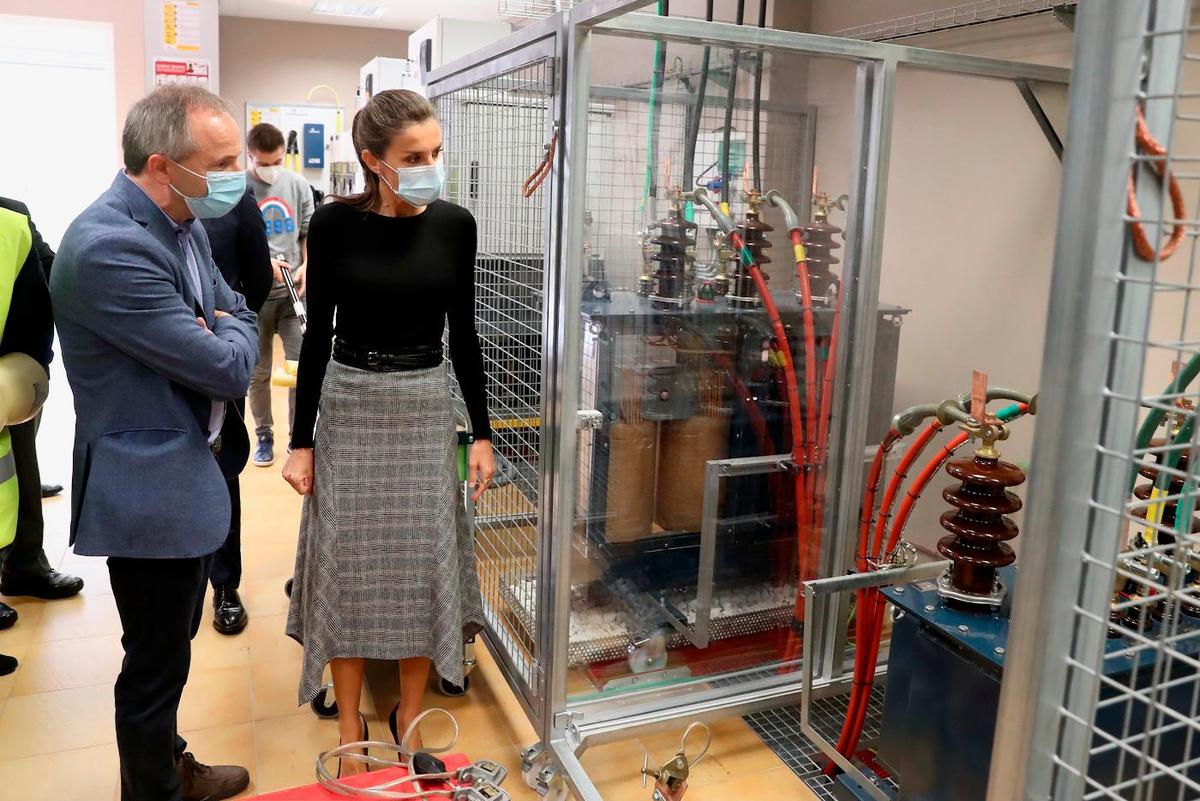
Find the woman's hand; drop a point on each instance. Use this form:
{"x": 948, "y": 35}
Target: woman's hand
{"x": 299, "y": 470}
{"x": 481, "y": 467}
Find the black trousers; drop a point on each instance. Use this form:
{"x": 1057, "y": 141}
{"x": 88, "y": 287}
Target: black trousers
{"x": 25, "y": 556}
{"x": 227, "y": 561}
{"x": 160, "y": 602}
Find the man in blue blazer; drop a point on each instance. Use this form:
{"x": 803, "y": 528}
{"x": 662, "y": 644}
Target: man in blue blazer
{"x": 155, "y": 343}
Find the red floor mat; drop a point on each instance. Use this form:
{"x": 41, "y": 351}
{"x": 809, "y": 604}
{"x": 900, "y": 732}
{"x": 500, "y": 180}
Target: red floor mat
{"x": 315, "y": 792}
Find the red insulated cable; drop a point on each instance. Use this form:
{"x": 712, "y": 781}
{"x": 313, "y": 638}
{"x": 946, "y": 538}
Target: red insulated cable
{"x": 868, "y": 600}
{"x": 864, "y": 669}
{"x": 875, "y": 624}
{"x": 803, "y": 533}
{"x": 918, "y": 487}
{"x": 812, "y": 441}
{"x": 868, "y": 509}
{"x": 818, "y": 492}
{"x": 793, "y": 389}
{"x": 898, "y": 476}
{"x": 868, "y": 504}
{"x": 810, "y": 351}
{"x": 898, "y": 525}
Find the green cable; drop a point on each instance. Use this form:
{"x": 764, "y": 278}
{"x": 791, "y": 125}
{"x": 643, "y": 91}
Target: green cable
{"x": 1156, "y": 416}
{"x": 660, "y": 57}
{"x": 1010, "y": 412}
{"x": 1162, "y": 481}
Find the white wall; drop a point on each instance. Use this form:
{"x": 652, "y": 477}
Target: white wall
{"x": 279, "y": 62}
{"x": 57, "y": 72}
{"x": 970, "y": 220}
{"x": 125, "y": 17}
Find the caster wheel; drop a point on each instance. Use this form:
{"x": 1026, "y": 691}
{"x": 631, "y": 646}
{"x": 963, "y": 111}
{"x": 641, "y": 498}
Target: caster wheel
{"x": 325, "y": 705}
{"x": 287, "y": 588}
{"x": 453, "y": 690}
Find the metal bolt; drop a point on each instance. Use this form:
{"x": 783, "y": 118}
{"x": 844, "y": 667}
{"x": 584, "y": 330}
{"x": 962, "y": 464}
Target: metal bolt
{"x": 724, "y": 468}
{"x": 899, "y": 590}
{"x": 930, "y": 607}
{"x": 963, "y": 629}
{"x": 1000, "y": 651}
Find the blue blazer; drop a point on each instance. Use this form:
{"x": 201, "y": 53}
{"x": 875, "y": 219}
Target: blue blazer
{"x": 144, "y": 373}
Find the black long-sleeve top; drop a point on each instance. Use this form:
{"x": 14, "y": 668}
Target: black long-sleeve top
{"x": 393, "y": 282}
{"x": 30, "y": 325}
{"x": 241, "y": 252}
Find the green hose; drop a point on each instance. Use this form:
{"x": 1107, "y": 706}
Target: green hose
{"x": 660, "y": 61}
{"x": 1010, "y": 412}
{"x": 1156, "y": 416}
{"x": 1162, "y": 481}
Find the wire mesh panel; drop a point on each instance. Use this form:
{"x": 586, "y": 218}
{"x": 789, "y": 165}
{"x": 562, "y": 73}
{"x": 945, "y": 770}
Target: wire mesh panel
{"x": 1120, "y": 692}
{"x": 622, "y": 198}
{"x": 496, "y": 131}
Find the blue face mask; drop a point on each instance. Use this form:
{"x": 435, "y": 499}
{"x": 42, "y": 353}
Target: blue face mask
{"x": 418, "y": 186}
{"x": 225, "y": 189}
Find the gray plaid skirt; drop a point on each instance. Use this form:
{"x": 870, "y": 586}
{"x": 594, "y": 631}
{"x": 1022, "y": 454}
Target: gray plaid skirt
{"x": 385, "y": 565}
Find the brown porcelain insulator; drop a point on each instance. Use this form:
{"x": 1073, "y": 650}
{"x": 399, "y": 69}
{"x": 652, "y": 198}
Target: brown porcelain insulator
{"x": 669, "y": 275}
{"x": 742, "y": 289}
{"x": 979, "y": 525}
{"x": 754, "y": 232}
{"x": 819, "y": 244}
{"x": 1117, "y": 618}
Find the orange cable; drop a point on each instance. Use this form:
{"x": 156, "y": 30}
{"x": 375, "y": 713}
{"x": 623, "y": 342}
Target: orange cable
{"x": 1146, "y": 143}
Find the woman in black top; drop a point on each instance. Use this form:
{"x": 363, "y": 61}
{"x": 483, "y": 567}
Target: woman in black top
{"x": 385, "y": 567}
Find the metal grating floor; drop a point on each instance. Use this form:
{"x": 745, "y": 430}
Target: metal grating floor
{"x": 780, "y": 730}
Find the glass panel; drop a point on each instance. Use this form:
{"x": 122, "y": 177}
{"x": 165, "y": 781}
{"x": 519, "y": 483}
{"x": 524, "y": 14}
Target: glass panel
{"x": 683, "y": 363}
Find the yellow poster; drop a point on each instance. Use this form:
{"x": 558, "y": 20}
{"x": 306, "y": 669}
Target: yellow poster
{"x": 181, "y": 25}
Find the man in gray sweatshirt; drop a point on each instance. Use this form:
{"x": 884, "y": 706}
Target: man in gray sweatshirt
{"x": 286, "y": 202}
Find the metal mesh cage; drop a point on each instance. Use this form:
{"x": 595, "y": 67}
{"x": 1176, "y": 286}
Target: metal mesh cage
{"x": 1119, "y": 680}
{"x": 1142, "y": 728}
{"x": 532, "y": 9}
{"x": 495, "y": 133}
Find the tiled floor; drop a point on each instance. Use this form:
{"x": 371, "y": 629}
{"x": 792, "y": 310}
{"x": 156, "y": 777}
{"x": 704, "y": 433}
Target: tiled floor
{"x": 56, "y": 729}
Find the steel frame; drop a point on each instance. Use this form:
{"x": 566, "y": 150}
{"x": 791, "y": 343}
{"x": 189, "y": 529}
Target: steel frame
{"x": 1100, "y": 303}
{"x": 569, "y": 728}
{"x": 840, "y": 586}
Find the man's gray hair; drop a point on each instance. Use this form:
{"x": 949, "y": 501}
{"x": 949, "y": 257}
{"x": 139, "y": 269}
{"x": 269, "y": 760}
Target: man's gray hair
{"x": 158, "y": 123}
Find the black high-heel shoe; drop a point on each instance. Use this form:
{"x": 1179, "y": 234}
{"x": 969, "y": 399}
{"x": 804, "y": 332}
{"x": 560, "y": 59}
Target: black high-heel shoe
{"x": 394, "y": 723}
{"x": 366, "y": 735}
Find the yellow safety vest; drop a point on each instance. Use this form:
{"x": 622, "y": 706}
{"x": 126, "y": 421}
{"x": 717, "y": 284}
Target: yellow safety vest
{"x": 16, "y": 240}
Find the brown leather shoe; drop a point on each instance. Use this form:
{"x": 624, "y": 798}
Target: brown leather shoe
{"x": 199, "y": 782}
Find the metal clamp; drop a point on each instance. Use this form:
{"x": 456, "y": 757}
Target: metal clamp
{"x": 589, "y": 419}
{"x": 670, "y": 778}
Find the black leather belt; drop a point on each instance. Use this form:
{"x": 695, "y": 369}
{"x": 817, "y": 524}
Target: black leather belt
{"x": 417, "y": 358}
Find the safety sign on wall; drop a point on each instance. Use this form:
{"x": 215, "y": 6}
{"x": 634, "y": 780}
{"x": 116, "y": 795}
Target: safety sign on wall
{"x": 181, "y": 25}
{"x": 193, "y": 73}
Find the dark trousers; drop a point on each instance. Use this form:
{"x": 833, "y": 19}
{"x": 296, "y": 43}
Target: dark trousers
{"x": 25, "y": 556}
{"x": 227, "y": 561}
{"x": 160, "y": 602}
